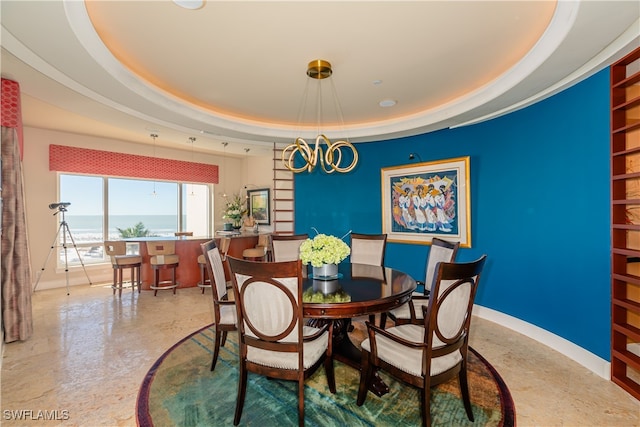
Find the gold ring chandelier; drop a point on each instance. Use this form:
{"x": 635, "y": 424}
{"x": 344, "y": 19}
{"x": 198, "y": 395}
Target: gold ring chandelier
{"x": 330, "y": 160}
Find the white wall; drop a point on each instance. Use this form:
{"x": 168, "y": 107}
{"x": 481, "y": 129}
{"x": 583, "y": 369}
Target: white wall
{"x": 41, "y": 190}
{"x": 259, "y": 174}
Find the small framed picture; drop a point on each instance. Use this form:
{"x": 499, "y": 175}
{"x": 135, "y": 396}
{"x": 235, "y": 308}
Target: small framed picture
{"x": 426, "y": 200}
{"x": 259, "y": 206}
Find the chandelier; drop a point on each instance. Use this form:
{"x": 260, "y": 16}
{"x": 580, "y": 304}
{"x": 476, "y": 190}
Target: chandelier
{"x": 331, "y": 159}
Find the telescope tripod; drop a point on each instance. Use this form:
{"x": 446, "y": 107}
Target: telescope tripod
{"x": 64, "y": 229}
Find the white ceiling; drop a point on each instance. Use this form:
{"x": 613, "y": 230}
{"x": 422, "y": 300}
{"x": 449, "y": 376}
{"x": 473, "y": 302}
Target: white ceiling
{"x": 235, "y": 71}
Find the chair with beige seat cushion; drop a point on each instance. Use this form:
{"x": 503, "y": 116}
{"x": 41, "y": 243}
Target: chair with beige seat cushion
{"x": 369, "y": 249}
{"x": 285, "y": 247}
{"x": 261, "y": 251}
{"x": 411, "y": 312}
{"x": 205, "y": 282}
{"x": 117, "y": 250}
{"x": 273, "y": 338}
{"x": 224, "y": 311}
{"x": 434, "y": 352}
{"x": 163, "y": 257}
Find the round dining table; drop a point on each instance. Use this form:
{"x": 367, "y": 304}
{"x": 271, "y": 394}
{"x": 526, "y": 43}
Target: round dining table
{"x": 357, "y": 290}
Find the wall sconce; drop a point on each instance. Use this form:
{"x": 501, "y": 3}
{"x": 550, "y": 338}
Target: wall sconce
{"x": 414, "y": 155}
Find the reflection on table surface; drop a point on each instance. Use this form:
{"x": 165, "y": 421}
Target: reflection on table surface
{"x": 359, "y": 289}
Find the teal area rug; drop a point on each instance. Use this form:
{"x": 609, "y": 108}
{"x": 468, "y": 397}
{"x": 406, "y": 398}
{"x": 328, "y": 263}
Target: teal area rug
{"x": 180, "y": 390}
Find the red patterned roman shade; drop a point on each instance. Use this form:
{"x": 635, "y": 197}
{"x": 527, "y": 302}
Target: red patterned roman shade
{"x": 98, "y": 162}
{"x": 11, "y": 114}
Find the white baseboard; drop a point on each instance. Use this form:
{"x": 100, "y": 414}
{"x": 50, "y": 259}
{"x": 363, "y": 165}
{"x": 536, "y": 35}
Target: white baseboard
{"x": 594, "y": 363}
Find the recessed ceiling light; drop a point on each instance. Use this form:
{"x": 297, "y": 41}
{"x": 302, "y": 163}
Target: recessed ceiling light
{"x": 387, "y": 103}
{"x": 190, "y": 4}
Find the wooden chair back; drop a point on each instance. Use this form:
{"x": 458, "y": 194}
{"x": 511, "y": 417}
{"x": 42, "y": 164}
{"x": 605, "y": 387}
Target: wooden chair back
{"x": 224, "y": 311}
{"x": 447, "y": 318}
{"x": 215, "y": 270}
{"x": 368, "y": 248}
{"x": 273, "y": 338}
{"x": 285, "y": 247}
{"x": 442, "y": 341}
{"x": 441, "y": 251}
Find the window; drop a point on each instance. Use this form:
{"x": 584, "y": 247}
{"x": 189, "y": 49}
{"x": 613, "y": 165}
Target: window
{"x": 152, "y": 204}
{"x": 83, "y": 228}
{"x": 104, "y": 208}
{"x": 195, "y": 212}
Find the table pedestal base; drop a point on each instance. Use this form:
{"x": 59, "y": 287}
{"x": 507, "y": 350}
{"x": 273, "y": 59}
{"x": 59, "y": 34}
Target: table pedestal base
{"x": 346, "y": 352}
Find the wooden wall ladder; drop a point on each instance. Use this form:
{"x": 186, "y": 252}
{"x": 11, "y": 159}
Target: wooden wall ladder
{"x": 283, "y": 196}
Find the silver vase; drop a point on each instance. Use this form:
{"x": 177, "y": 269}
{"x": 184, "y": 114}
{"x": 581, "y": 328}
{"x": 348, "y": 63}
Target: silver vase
{"x": 326, "y": 271}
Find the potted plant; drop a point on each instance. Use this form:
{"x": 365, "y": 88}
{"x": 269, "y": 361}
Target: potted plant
{"x": 234, "y": 210}
{"x": 324, "y": 253}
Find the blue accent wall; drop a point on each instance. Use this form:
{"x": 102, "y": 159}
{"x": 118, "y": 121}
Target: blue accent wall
{"x": 539, "y": 208}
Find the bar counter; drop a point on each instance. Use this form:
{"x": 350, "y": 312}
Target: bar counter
{"x": 188, "y": 250}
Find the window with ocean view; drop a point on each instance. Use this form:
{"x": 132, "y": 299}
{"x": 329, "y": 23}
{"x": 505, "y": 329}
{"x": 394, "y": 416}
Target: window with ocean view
{"x": 105, "y": 208}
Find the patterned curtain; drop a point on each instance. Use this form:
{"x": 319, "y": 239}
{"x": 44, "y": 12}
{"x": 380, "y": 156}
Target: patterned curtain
{"x": 17, "y": 318}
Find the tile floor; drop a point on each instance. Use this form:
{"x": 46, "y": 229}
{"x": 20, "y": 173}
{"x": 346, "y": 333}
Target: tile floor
{"x": 90, "y": 351}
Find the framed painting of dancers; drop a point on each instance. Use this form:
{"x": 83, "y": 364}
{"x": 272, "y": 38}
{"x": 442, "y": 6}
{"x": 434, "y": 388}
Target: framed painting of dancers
{"x": 425, "y": 200}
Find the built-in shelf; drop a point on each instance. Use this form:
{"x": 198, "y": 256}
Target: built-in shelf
{"x": 625, "y": 223}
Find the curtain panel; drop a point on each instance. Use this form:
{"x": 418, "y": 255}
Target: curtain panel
{"x": 15, "y": 266}
{"x": 17, "y": 318}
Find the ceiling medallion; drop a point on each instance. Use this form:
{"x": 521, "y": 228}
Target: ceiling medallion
{"x": 331, "y": 160}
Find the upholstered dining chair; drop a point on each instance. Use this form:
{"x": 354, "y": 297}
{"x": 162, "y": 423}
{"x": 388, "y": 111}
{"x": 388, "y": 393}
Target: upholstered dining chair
{"x": 434, "y": 352}
{"x": 205, "y": 281}
{"x": 369, "y": 249}
{"x": 411, "y": 312}
{"x": 224, "y": 310}
{"x": 286, "y": 247}
{"x": 272, "y": 336}
{"x": 120, "y": 261}
{"x": 163, "y": 257}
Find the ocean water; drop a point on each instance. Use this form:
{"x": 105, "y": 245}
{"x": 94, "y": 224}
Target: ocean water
{"x": 88, "y": 228}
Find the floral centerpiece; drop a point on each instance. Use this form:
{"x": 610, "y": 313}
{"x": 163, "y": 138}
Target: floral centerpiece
{"x": 322, "y": 250}
{"x": 234, "y": 210}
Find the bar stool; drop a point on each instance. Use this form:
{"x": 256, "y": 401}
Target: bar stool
{"x": 260, "y": 252}
{"x": 223, "y": 247}
{"x": 120, "y": 261}
{"x": 163, "y": 257}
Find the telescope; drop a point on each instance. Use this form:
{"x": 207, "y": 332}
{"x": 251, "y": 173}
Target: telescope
{"x": 59, "y": 205}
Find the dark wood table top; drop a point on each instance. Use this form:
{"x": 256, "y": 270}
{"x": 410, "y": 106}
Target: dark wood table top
{"x": 359, "y": 290}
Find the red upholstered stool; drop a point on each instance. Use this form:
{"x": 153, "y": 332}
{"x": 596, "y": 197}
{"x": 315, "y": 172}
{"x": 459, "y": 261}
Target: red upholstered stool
{"x": 163, "y": 257}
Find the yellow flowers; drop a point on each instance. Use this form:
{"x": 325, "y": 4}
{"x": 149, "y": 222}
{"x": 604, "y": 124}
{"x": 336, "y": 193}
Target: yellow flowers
{"x": 323, "y": 249}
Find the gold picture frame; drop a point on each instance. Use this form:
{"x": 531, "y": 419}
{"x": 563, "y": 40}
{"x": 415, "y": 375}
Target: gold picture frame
{"x": 426, "y": 200}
